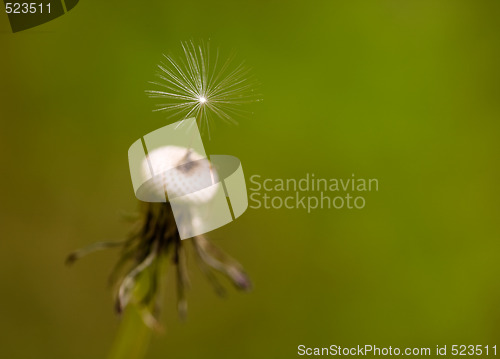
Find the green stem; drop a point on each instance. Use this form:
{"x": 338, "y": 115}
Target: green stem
{"x": 133, "y": 337}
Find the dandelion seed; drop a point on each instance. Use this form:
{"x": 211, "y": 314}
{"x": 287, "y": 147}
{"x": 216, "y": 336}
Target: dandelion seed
{"x": 200, "y": 84}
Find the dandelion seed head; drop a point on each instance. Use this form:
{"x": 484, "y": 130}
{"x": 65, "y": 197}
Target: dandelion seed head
{"x": 181, "y": 171}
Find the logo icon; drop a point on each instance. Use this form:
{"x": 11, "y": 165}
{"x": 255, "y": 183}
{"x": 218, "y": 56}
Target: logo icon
{"x": 170, "y": 165}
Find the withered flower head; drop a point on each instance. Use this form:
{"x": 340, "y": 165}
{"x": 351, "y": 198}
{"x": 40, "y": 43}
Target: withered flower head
{"x": 156, "y": 237}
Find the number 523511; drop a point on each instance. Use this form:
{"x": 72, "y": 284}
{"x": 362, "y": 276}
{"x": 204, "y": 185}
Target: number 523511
{"x": 473, "y": 350}
{"x": 26, "y": 8}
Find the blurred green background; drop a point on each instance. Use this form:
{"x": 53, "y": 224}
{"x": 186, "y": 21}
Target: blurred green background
{"x": 403, "y": 91}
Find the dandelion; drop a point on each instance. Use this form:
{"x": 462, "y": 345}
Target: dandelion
{"x": 199, "y": 84}
{"x": 155, "y": 238}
